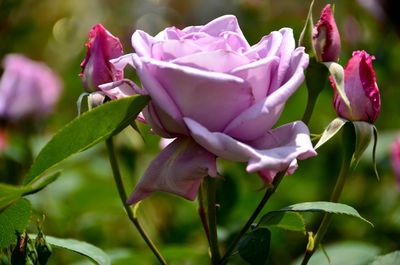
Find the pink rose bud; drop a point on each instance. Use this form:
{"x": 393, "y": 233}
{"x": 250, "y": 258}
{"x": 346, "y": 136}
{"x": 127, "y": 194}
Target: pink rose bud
{"x": 96, "y": 67}
{"x": 395, "y": 159}
{"x": 27, "y": 88}
{"x": 361, "y": 90}
{"x": 326, "y": 38}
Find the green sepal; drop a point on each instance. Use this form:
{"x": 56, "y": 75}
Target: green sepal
{"x": 305, "y": 39}
{"x": 337, "y": 73}
{"x": 331, "y": 130}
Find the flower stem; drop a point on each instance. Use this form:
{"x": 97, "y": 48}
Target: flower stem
{"x": 212, "y": 220}
{"x": 202, "y": 212}
{"x": 128, "y": 209}
{"x": 344, "y": 173}
{"x": 271, "y": 190}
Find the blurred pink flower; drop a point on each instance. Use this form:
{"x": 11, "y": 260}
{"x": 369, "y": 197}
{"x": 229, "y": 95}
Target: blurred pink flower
{"x": 102, "y": 46}
{"x": 361, "y": 90}
{"x": 326, "y": 37}
{"x": 395, "y": 158}
{"x": 219, "y": 97}
{"x": 27, "y": 88}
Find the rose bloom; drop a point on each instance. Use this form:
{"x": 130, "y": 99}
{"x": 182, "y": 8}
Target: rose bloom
{"x": 219, "y": 97}
{"x": 27, "y": 88}
{"x": 360, "y": 88}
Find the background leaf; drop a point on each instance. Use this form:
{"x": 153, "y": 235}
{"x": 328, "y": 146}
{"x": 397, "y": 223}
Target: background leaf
{"x": 13, "y": 220}
{"x": 292, "y": 221}
{"x": 87, "y": 130}
{"x": 254, "y": 246}
{"x": 392, "y": 258}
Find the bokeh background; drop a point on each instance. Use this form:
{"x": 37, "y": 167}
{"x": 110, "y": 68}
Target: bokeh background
{"x": 83, "y": 203}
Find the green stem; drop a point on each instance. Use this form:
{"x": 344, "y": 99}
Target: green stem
{"x": 202, "y": 212}
{"x": 271, "y": 190}
{"x": 312, "y": 99}
{"x": 128, "y": 209}
{"x": 212, "y": 220}
{"x": 344, "y": 173}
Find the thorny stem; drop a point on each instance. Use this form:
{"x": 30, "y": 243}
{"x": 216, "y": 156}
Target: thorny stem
{"x": 128, "y": 209}
{"x": 271, "y": 190}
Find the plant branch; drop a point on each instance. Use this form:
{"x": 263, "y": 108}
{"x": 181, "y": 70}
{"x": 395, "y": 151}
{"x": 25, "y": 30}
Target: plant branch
{"x": 212, "y": 220}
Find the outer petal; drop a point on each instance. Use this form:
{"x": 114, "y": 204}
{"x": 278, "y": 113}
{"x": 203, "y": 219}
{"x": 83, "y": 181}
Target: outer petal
{"x": 263, "y": 115}
{"x": 198, "y": 93}
{"x": 274, "y": 151}
{"x": 166, "y": 107}
{"x": 178, "y": 169}
{"x": 222, "y": 24}
{"x": 268, "y": 46}
{"x": 142, "y": 43}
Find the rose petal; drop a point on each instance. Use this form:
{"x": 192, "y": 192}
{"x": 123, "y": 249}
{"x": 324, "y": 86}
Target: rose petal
{"x": 120, "y": 89}
{"x": 276, "y": 150}
{"x": 285, "y": 52}
{"x": 172, "y": 49}
{"x": 258, "y": 74}
{"x": 267, "y": 46}
{"x": 198, "y": 93}
{"x": 222, "y": 61}
{"x": 142, "y": 43}
{"x": 166, "y": 107}
{"x": 263, "y": 115}
{"x": 222, "y": 24}
{"x": 178, "y": 169}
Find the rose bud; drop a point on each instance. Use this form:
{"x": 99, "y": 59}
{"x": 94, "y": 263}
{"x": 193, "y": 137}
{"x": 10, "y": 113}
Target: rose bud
{"x": 395, "y": 159}
{"x": 102, "y": 46}
{"x": 361, "y": 90}
{"x": 27, "y": 88}
{"x": 326, "y": 38}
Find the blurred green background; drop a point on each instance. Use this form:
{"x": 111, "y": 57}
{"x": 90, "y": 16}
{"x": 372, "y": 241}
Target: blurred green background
{"x": 83, "y": 203}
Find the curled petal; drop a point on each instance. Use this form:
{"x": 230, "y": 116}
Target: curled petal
{"x": 275, "y": 151}
{"x": 142, "y": 43}
{"x": 178, "y": 169}
{"x": 120, "y": 89}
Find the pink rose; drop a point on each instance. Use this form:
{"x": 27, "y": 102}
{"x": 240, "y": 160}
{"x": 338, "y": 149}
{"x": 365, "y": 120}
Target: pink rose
{"x": 219, "y": 97}
{"x": 27, "y": 88}
{"x": 326, "y": 38}
{"x": 96, "y": 67}
{"x": 395, "y": 159}
{"x": 361, "y": 90}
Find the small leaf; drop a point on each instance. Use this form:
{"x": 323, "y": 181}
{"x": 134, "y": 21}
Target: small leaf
{"x": 337, "y": 72}
{"x": 13, "y": 220}
{"x": 87, "y": 130}
{"x": 286, "y": 220}
{"x": 364, "y": 132}
{"x": 325, "y": 207}
{"x": 254, "y": 246}
{"x": 392, "y": 258}
{"x": 90, "y": 251}
{"x": 331, "y": 130}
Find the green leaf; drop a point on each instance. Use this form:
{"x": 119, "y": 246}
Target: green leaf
{"x": 325, "y": 207}
{"x": 364, "y": 132}
{"x": 292, "y": 221}
{"x": 331, "y": 130}
{"x": 337, "y": 72}
{"x": 87, "y": 130}
{"x": 92, "y": 252}
{"x": 254, "y": 246}
{"x": 392, "y": 258}
{"x": 10, "y": 193}
{"x": 13, "y": 220}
